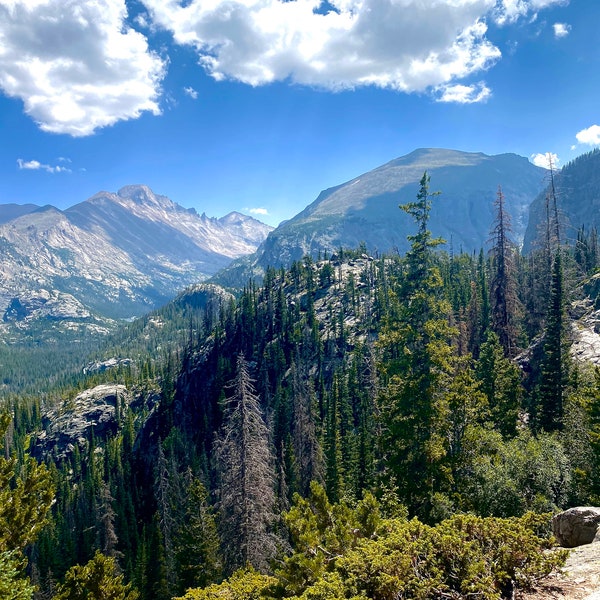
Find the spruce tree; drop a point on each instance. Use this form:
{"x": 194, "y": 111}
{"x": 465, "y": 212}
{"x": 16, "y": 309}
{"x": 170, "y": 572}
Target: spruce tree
{"x": 418, "y": 340}
{"x": 500, "y": 382}
{"x": 198, "y": 541}
{"x": 555, "y": 363}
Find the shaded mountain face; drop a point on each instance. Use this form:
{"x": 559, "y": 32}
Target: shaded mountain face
{"x": 8, "y": 212}
{"x": 114, "y": 255}
{"x": 577, "y": 187}
{"x": 365, "y": 209}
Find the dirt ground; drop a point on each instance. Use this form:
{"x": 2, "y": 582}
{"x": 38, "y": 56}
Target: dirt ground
{"x": 579, "y": 580}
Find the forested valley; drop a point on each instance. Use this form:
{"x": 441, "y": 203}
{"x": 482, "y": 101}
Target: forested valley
{"x": 354, "y": 426}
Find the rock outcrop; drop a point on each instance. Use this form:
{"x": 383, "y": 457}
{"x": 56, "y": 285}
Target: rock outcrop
{"x": 71, "y": 424}
{"x": 576, "y": 526}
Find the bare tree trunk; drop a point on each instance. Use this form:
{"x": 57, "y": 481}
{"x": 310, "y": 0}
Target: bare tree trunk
{"x": 246, "y": 477}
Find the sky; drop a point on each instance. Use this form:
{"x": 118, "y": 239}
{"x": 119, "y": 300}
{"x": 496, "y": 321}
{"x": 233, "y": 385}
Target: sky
{"x": 258, "y": 105}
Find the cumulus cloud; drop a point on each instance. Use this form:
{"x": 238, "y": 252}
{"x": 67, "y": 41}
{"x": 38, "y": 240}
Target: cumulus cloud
{"x": 411, "y": 45}
{"x": 545, "y": 160}
{"x": 406, "y": 45}
{"x": 76, "y": 65}
{"x": 561, "y": 30}
{"x": 259, "y": 211}
{"x": 36, "y": 165}
{"x": 589, "y": 136}
{"x": 464, "y": 94}
{"x": 191, "y": 92}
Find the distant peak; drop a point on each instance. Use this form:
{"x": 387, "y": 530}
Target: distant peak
{"x": 143, "y": 195}
{"x": 235, "y": 217}
{"x": 140, "y": 193}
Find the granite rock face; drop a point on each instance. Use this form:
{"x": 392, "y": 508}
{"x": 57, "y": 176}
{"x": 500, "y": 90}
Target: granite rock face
{"x": 576, "y": 526}
{"x": 71, "y": 423}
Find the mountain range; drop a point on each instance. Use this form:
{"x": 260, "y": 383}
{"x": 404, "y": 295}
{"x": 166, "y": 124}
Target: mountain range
{"x": 114, "y": 255}
{"x": 118, "y": 255}
{"x": 365, "y": 209}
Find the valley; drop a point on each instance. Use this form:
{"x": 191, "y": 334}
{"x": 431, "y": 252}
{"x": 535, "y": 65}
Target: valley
{"x": 355, "y": 420}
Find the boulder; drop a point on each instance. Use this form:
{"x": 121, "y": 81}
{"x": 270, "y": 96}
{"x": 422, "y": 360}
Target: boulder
{"x": 576, "y": 526}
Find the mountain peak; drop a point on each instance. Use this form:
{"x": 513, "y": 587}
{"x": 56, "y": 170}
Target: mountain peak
{"x": 142, "y": 195}
{"x": 365, "y": 209}
{"x": 431, "y": 158}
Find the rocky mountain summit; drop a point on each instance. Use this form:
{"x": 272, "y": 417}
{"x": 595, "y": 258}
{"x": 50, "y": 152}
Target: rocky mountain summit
{"x": 112, "y": 256}
{"x": 365, "y": 209}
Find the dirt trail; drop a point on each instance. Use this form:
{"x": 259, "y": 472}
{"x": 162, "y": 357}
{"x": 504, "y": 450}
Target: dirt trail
{"x": 579, "y": 580}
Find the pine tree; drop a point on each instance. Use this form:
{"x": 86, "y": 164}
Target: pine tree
{"x": 555, "y": 364}
{"x": 12, "y": 583}
{"x": 418, "y": 339}
{"x": 504, "y": 303}
{"x": 99, "y": 579}
{"x": 26, "y": 494}
{"x": 246, "y": 478}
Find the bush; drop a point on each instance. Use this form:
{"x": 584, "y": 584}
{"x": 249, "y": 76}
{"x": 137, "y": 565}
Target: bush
{"x": 245, "y": 584}
{"x": 346, "y": 553}
{"x": 464, "y": 556}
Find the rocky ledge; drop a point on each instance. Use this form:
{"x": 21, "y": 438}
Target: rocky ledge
{"x": 71, "y": 423}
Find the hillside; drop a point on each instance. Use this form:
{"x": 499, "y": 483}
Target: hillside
{"x": 577, "y": 187}
{"x": 357, "y": 425}
{"x": 336, "y": 379}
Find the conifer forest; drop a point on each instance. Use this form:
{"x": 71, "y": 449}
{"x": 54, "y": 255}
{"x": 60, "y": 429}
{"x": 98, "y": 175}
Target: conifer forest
{"x": 354, "y": 426}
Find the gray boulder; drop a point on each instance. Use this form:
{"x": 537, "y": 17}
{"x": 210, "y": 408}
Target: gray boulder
{"x": 576, "y": 526}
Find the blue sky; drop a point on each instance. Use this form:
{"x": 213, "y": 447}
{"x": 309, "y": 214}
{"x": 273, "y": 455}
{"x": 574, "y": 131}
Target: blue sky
{"x": 258, "y": 105}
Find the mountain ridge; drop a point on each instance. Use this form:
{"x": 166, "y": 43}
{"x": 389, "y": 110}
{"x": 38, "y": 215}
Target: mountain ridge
{"x": 364, "y": 210}
{"x": 577, "y": 187}
{"x": 118, "y": 255}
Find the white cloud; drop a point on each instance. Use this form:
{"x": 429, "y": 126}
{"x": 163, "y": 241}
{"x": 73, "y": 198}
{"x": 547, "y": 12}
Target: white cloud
{"x": 509, "y": 11}
{"x": 407, "y": 45}
{"x": 258, "y": 211}
{"x": 36, "y": 165}
{"x": 561, "y": 30}
{"x": 464, "y": 94}
{"x": 142, "y": 21}
{"x": 75, "y": 64}
{"x": 589, "y": 136}
{"x": 191, "y": 92}
{"x": 545, "y": 160}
